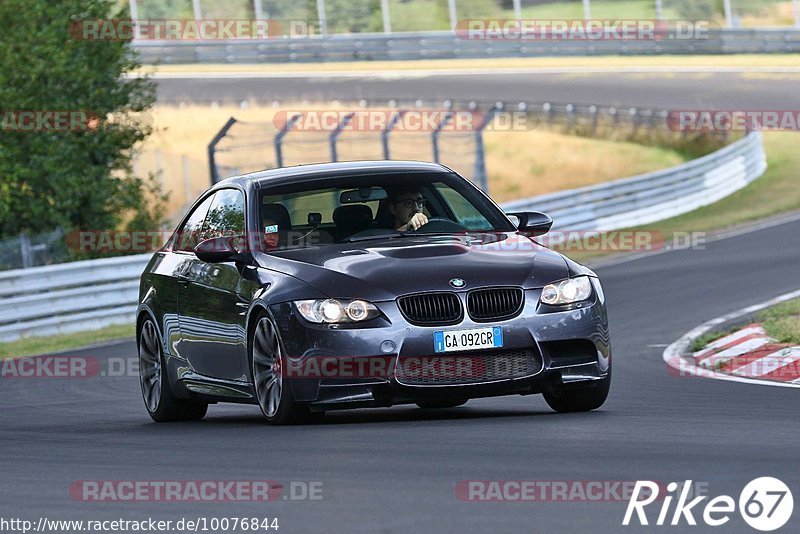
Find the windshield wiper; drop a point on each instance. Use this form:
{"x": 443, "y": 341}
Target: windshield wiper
{"x": 388, "y": 235}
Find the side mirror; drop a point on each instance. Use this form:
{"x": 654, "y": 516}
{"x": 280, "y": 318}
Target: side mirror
{"x": 532, "y": 223}
{"x": 217, "y": 250}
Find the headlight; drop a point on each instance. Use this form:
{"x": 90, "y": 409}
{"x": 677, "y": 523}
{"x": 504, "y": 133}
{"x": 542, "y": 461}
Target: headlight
{"x": 336, "y": 311}
{"x": 567, "y": 291}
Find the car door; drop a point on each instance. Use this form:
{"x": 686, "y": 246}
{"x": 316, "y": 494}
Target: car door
{"x": 212, "y": 302}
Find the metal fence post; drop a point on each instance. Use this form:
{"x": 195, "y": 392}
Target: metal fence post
{"x": 25, "y": 250}
{"x": 587, "y": 9}
{"x": 323, "y": 20}
{"x": 796, "y": 13}
{"x": 385, "y": 133}
{"x": 659, "y": 10}
{"x": 335, "y": 134}
{"x": 435, "y": 134}
{"x": 517, "y": 9}
{"x": 387, "y": 17}
{"x": 480, "y": 175}
{"x": 726, "y": 5}
{"x": 212, "y": 146}
{"x": 137, "y": 33}
{"x": 198, "y": 11}
{"x": 279, "y": 138}
{"x": 451, "y": 9}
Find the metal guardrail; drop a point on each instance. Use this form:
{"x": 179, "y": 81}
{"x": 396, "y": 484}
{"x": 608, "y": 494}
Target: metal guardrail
{"x": 654, "y": 196}
{"x": 447, "y": 45}
{"x": 94, "y": 293}
{"x": 69, "y": 297}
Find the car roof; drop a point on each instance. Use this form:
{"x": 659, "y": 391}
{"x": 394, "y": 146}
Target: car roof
{"x": 297, "y": 173}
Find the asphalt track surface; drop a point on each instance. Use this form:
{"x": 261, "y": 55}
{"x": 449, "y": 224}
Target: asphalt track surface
{"x": 395, "y": 470}
{"x": 681, "y": 90}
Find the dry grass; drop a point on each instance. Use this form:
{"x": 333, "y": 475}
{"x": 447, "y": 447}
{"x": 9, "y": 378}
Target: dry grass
{"x": 524, "y": 164}
{"x": 738, "y": 61}
{"x": 519, "y": 164}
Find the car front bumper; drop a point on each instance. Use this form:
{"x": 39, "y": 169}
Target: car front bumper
{"x": 570, "y": 346}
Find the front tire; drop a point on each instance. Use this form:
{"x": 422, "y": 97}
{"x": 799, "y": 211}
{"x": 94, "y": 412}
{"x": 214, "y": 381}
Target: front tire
{"x": 267, "y": 360}
{"x": 579, "y": 399}
{"x": 154, "y": 380}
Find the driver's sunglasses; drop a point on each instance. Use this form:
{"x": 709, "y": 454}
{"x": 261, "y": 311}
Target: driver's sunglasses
{"x": 411, "y": 202}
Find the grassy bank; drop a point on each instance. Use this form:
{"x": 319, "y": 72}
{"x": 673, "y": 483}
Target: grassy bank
{"x": 782, "y": 322}
{"x": 776, "y": 192}
{"x": 44, "y": 345}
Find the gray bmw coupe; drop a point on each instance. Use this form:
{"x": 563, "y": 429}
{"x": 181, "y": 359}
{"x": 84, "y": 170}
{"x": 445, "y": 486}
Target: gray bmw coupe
{"x": 364, "y": 284}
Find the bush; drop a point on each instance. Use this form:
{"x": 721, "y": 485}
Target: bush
{"x": 71, "y": 179}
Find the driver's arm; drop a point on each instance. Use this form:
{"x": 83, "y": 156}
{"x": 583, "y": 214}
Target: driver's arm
{"x": 417, "y": 221}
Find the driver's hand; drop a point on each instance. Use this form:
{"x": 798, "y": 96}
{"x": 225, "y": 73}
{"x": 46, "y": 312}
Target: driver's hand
{"x": 417, "y": 221}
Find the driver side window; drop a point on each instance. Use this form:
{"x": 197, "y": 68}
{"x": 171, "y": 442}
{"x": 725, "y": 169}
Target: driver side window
{"x": 225, "y": 216}
{"x": 189, "y": 236}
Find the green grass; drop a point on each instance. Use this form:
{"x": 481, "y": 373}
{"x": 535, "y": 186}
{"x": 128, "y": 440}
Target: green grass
{"x": 43, "y": 345}
{"x": 782, "y": 322}
{"x": 710, "y": 337}
{"x": 776, "y": 192}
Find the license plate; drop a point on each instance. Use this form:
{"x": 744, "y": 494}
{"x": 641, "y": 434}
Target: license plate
{"x": 474, "y": 338}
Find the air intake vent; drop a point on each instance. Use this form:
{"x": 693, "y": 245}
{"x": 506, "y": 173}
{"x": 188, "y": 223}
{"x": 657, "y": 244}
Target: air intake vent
{"x": 431, "y": 308}
{"x": 495, "y": 304}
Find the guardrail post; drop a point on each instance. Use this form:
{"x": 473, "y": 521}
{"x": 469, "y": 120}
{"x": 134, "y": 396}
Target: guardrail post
{"x": 547, "y": 108}
{"x": 435, "y": 134}
{"x": 335, "y": 134}
{"x": 279, "y": 138}
{"x": 212, "y": 146}
{"x": 593, "y": 112}
{"x": 389, "y": 127}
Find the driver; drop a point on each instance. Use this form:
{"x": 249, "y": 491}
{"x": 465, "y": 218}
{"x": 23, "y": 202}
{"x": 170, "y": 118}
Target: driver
{"x": 406, "y": 206}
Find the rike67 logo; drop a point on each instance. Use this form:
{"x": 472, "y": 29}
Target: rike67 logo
{"x": 765, "y": 504}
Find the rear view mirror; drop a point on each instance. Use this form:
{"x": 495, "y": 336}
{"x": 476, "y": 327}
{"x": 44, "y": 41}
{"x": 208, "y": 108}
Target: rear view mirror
{"x": 363, "y": 194}
{"x": 532, "y": 223}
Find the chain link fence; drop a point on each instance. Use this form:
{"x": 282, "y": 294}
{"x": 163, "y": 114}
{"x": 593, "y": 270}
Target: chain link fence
{"x": 26, "y": 250}
{"x": 243, "y": 146}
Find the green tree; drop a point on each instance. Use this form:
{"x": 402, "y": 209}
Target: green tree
{"x": 71, "y": 179}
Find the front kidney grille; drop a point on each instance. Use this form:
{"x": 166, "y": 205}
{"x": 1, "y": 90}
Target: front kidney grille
{"x": 431, "y": 308}
{"x": 463, "y": 369}
{"x": 495, "y": 304}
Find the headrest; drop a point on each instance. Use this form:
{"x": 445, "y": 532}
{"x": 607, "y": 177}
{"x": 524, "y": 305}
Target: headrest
{"x": 277, "y": 213}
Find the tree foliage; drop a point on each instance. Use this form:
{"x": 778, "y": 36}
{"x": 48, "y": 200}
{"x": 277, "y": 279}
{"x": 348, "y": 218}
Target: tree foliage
{"x": 71, "y": 179}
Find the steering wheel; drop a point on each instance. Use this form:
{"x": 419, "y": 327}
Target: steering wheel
{"x": 440, "y": 225}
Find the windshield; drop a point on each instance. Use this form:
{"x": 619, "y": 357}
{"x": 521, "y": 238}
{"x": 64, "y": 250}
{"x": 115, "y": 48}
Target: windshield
{"x": 348, "y": 209}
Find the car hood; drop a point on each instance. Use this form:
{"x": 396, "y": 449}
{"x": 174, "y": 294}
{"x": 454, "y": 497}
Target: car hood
{"x": 383, "y": 269}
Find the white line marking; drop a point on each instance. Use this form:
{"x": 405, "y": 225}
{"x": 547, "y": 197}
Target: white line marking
{"x": 736, "y": 350}
{"x": 769, "y": 363}
{"x": 721, "y": 342}
{"x": 674, "y": 354}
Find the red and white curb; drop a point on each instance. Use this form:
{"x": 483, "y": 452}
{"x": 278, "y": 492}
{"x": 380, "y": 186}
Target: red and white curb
{"x": 747, "y": 355}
